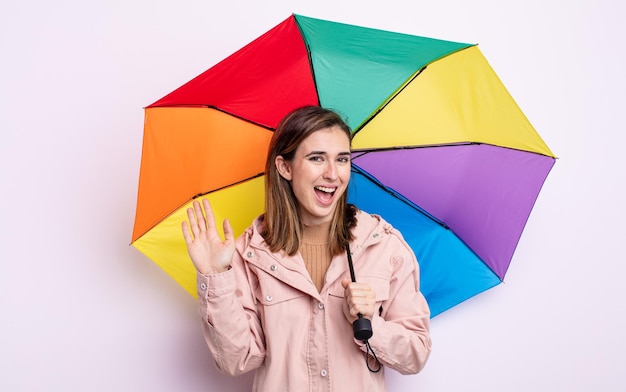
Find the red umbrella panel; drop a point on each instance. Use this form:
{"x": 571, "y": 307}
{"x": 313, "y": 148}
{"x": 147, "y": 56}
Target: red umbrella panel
{"x": 441, "y": 149}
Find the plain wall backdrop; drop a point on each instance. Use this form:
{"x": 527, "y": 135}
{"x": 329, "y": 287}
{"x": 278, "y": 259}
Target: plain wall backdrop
{"x": 82, "y": 310}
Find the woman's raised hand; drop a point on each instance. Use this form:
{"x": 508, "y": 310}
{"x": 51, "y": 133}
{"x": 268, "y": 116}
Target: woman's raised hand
{"x": 210, "y": 255}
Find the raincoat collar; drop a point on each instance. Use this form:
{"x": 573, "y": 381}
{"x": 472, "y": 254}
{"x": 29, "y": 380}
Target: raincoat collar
{"x": 370, "y": 229}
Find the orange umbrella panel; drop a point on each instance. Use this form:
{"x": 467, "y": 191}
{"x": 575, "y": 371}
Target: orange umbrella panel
{"x": 192, "y": 151}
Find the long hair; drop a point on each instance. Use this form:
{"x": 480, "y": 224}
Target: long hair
{"x": 282, "y": 224}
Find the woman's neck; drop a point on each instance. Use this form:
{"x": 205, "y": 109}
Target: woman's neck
{"x": 316, "y": 234}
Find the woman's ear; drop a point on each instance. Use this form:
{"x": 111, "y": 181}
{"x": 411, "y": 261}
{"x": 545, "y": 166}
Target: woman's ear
{"x": 283, "y": 167}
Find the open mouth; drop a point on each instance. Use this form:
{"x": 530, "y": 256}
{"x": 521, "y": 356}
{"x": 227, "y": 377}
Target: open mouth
{"x": 325, "y": 194}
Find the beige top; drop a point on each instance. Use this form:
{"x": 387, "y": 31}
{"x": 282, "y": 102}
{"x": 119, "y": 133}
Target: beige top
{"x": 315, "y": 252}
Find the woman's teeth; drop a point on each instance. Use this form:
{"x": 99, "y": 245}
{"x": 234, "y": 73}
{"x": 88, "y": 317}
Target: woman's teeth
{"x": 325, "y": 189}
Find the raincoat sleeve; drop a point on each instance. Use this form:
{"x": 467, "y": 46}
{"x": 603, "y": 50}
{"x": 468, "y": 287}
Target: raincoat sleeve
{"x": 401, "y": 327}
{"x": 231, "y": 326}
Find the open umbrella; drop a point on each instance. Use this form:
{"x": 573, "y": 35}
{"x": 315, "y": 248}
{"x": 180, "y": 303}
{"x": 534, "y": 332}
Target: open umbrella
{"x": 441, "y": 150}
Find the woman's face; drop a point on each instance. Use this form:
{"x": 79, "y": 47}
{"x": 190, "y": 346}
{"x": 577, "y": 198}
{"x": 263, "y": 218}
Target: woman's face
{"x": 319, "y": 173}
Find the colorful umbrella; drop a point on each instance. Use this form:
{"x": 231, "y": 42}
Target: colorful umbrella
{"x": 441, "y": 150}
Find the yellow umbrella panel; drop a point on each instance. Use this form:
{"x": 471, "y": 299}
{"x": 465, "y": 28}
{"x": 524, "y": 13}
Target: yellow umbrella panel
{"x": 456, "y": 99}
{"x": 164, "y": 243}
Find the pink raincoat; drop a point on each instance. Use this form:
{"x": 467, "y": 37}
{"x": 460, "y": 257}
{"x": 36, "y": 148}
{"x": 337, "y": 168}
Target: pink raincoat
{"x": 265, "y": 314}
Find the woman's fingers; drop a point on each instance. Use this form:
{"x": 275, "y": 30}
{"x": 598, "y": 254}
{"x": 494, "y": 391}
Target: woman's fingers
{"x": 210, "y": 219}
{"x": 359, "y": 290}
{"x": 186, "y": 233}
{"x": 228, "y": 231}
{"x": 204, "y": 245}
{"x": 193, "y": 224}
{"x": 360, "y": 298}
{"x": 202, "y": 220}
{"x": 199, "y": 216}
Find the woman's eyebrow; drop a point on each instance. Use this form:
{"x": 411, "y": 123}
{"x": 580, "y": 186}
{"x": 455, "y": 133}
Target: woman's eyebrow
{"x": 315, "y": 153}
{"x": 326, "y": 153}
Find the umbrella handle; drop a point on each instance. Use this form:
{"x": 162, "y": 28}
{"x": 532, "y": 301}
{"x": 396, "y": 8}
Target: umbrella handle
{"x": 362, "y": 327}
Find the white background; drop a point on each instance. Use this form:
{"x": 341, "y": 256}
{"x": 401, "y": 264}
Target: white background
{"x": 83, "y": 311}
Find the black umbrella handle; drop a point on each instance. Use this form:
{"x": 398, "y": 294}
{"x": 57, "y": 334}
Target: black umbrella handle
{"x": 362, "y": 327}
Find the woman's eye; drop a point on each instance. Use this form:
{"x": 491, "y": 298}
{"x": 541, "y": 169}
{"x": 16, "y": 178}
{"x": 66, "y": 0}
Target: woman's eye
{"x": 344, "y": 159}
{"x": 316, "y": 159}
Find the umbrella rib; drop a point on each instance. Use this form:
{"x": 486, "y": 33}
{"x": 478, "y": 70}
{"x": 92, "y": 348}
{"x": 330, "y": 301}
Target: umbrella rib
{"x": 310, "y": 58}
{"x": 360, "y": 152}
{"x": 398, "y": 196}
{"x": 229, "y": 185}
{"x": 197, "y": 196}
{"x": 240, "y": 117}
{"x": 391, "y": 148}
{"x": 191, "y": 105}
{"x": 391, "y": 98}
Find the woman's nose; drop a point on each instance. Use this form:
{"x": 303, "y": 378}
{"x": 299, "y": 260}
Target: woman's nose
{"x": 330, "y": 170}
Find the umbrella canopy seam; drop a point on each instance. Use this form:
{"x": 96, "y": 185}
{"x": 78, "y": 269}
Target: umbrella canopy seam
{"x": 363, "y": 151}
{"x": 165, "y": 216}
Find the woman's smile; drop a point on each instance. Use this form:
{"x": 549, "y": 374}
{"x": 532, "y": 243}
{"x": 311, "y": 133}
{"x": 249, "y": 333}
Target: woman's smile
{"x": 325, "y": 194}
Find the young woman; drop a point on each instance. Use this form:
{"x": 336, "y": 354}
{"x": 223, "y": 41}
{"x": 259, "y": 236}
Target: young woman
{"x": 279, "y": 299}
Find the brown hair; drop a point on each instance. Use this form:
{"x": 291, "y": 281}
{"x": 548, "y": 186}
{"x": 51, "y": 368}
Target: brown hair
{"x": 282, "y": 226}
